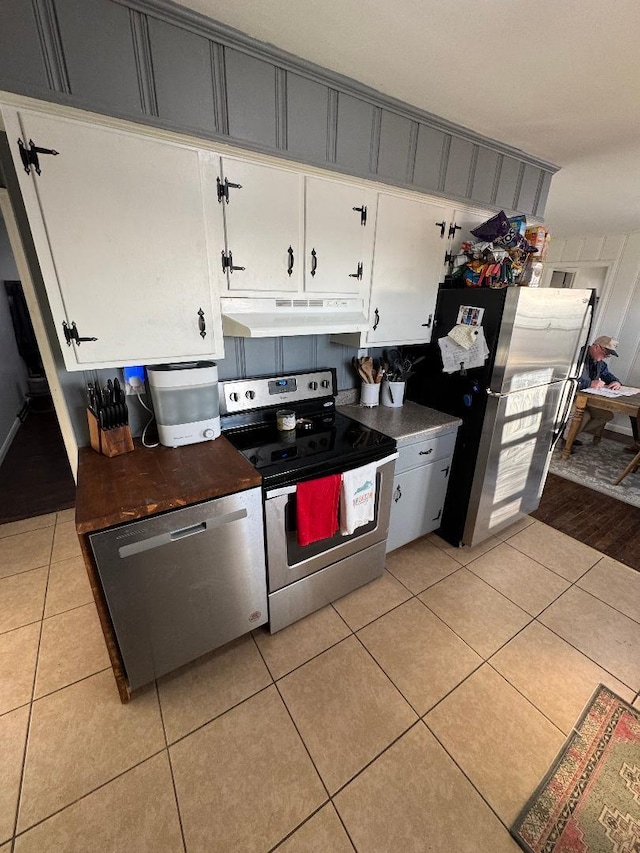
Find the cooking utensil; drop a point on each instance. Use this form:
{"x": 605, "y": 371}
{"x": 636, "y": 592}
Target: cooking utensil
{"x": 357, "y": 363}
{"x": 367, "y": 368}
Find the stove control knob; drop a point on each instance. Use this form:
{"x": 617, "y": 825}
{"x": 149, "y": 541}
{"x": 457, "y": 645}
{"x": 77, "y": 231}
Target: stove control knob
{"x": 208, "y": 433}
{"x": 325, "y": 383}
{"x": 250, "y": 395}
{"x": 234, "y": 397}
{"x": 313, "y": 385}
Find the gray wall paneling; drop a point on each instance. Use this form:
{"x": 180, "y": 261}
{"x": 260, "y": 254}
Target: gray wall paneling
{"x": 153, "y": 61}
{"x": 355, "y": 129}
{"x": 428, "y": 166}
{"x": 459, "y": 161}
{"x": 183, "y": 74}
{"x": 21, "y": 56}
{"x": 307, "y": 119}
{"x": 299, "y": 353}
{"x": 528, "y": 189}
{"x": 394, "y": 154}
{"x": 484, "y": 179}
{"x": 543, "y": 192}
{"x": 508, "y": 182}
{"x": 251, "y": 98}
{"x": 268, "y": 356}
{"x": 99, "y": 54}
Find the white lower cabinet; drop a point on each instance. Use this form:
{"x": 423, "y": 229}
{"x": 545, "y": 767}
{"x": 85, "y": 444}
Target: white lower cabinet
{"x": 419, "y": 488}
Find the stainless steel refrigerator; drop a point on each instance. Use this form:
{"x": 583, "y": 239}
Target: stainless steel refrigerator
{"x": 513, "y": 407}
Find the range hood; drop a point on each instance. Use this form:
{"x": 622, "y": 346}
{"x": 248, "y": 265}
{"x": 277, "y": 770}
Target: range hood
{"x": 273, "y": 318}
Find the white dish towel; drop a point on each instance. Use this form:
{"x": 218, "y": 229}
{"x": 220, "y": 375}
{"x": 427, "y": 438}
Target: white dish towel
{"x": 357, "y": 498}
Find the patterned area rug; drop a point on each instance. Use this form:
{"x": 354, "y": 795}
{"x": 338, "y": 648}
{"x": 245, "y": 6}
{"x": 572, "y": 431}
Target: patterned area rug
{"x": 589, "y": 802}
{"x": 598, "y": 467}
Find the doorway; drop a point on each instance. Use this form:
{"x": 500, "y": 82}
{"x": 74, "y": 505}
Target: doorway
{"x": 35, "y": 475}
{"x": 582, "y": 275}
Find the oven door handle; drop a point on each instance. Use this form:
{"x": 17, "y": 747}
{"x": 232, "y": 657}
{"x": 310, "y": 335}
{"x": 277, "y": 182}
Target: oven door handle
{"x": 276, "y": 493}
{"x": 291, "y": 490}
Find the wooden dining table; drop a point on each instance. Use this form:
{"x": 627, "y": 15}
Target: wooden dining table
{"x": 619, "y": 405}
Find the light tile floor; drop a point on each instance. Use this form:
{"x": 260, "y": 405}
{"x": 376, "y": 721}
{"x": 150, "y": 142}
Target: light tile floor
{"x": 417, "y": 713}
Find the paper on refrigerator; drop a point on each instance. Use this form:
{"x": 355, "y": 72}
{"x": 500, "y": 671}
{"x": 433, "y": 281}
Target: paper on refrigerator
{"x": 456, "y": 357}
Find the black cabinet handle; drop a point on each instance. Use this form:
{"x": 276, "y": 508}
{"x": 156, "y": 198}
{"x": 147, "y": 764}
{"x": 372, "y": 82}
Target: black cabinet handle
{"x": 357, "y": 274}
{"x": 437, "y": 516}
{"x": 314, "y": 262}
{"x": 398, "y": 493}
{"x": 291, "y": 259}
{"x": 428, "y": 323}
{"x": 453, "y": 228}
{"x": 201, "y": 324}
{"x": 363, "y": 213}
{"x": 376, "y": 320}
{"x": 441, "y": 225}
{"x": 426, "y": 452}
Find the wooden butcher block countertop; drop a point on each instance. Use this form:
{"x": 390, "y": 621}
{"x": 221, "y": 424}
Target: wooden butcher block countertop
{"x": 152, "y": 480}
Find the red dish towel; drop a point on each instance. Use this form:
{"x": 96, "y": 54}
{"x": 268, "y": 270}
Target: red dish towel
{"x": 317, "y": 508}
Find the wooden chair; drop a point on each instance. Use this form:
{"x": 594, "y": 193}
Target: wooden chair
{"x": 632, "y": 466}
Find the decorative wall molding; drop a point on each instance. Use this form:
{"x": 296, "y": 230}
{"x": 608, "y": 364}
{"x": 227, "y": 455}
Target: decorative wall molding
{"x": 259, "y": 98}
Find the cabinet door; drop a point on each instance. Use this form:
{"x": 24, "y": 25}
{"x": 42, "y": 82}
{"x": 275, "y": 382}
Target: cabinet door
{"x": 338, "y": 237}
{"x": 263, "y": 223}
{"x": 417, "y": 501}
{"x": 119, "y": 228}
{"x": 462, "y": 221}
{"x": 409, "y": 251}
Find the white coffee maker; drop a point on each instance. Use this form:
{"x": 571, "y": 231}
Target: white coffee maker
{"x": 185, "y": 401}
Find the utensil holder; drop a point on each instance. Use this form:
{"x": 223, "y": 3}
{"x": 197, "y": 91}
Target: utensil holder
{"x": 109, "y": 442}
{"x": 392, "y": 394}
{"x": 369, "y": 394}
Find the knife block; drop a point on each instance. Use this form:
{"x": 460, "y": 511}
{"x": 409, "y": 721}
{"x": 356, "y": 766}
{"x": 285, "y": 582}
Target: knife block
{"x": 109, "y": 442}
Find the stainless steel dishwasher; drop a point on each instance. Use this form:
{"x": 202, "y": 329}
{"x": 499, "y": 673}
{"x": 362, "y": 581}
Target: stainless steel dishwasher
{"x": 180, "y": 584}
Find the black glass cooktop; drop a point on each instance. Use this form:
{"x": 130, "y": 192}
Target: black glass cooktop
{"x": 322, "y": 444}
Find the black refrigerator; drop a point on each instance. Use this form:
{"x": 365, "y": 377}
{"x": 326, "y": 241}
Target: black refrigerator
{"x": 512, "y": 407}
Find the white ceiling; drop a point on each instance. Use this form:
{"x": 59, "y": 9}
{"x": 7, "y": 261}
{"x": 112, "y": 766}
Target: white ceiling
{"x": 559, "y": 79}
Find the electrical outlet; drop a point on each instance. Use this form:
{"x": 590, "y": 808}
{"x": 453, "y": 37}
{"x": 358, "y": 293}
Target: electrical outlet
{"x": 134, "y": 380}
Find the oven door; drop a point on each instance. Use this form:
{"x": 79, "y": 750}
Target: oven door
{"x": 288, "y": 562}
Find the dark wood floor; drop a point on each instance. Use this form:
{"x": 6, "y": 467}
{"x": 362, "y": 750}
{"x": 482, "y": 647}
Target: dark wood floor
{"x": 35, "y": 477}
{"x": 598, "y": 520}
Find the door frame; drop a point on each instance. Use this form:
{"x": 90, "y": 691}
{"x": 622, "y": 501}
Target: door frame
{"x": 37, "y": 318}
{"x": 574, "y": 267}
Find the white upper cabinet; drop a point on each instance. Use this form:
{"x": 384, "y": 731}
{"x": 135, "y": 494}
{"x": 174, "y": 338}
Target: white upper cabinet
{"x": 410, "y": 245}
{"x": 262, "y": 208}
{"x": 119, "y": 226}
{"x": 339, "y": 228}
{"x": 462, "y": 221}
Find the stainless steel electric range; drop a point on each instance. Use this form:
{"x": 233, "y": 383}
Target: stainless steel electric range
{"x": 300, "y": 578}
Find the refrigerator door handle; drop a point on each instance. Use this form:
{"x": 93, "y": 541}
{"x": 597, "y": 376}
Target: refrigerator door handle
{"x": 559, "y": 425}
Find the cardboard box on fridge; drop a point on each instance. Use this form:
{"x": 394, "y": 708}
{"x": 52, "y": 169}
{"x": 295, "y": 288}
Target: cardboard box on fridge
{"x": 538, "y": 236}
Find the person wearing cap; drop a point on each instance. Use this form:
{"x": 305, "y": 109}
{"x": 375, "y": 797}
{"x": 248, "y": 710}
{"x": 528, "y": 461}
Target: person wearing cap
{"x": 596, "y": 374}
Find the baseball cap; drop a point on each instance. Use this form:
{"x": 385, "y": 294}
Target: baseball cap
{"x": 608, "y": 344}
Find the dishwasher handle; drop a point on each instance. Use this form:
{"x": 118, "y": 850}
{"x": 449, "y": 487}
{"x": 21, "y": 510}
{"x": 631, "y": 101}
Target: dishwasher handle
{"x": 176, "y": 535}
